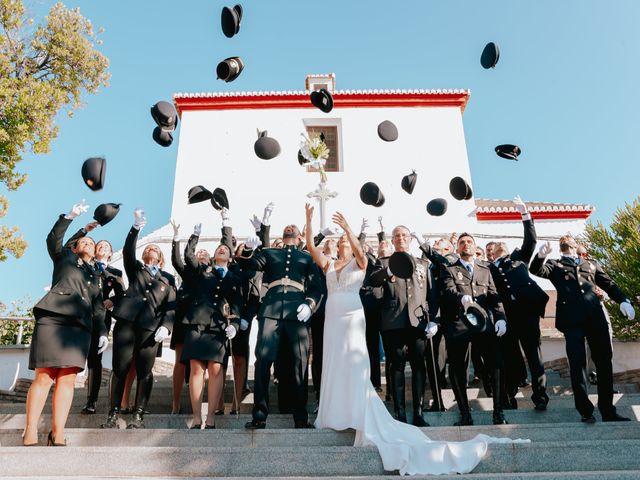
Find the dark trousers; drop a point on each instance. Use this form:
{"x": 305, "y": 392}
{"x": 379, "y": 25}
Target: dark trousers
{"x": 524, "y": 330}
{"x": 94, "y": 364}
{"x": 131, "y": 342}
{"x": 293, "y": 337}
{"x": 596, "y": 332}
{"x": 317, "y": 336}
{"x": 372, "y": 319}
{"x": 458, "y": 355}
{"x": 432, "y": 347}
{"x": 401, "y": 345}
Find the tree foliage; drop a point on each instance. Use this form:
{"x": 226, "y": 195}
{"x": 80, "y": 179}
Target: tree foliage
{"x": 617, "y": 248}
{"x": 43, "y": 69}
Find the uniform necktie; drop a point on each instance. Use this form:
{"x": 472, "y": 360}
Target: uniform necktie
{"x": 220, "y": 271}
{"x": 99, "y": 267}
{"x": 469, "y": 269}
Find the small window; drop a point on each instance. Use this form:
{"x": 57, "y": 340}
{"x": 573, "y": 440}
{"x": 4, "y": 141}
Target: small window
{"x": 331, "y": 139}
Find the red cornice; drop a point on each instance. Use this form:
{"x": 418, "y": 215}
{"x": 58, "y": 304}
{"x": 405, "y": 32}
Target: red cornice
{"x": 554, "y": 215}
{"x": 340, "y": 100}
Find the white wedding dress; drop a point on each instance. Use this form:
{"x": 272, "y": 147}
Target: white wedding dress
{"x": 348, "y": 399}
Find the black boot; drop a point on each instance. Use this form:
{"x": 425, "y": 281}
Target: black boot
{"x": 417, "y": 385}
{"x": 112, "y": 419}
{"x": 137, "y": 420}
{"x": 465, "y": 418}
{"x": 498, "y": 417}
{"x": 94, "y": 379}
{"x": 143, "y": 393}
{"x": 497, "y": 386}
{"x": 399, "y": 405}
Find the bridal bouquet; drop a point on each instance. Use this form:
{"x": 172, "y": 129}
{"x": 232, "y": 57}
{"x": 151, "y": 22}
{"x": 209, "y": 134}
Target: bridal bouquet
{"x": 315, "y": 153}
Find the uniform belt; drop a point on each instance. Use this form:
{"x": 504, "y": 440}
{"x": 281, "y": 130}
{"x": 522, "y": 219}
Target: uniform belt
{"x": 286, "y": 282}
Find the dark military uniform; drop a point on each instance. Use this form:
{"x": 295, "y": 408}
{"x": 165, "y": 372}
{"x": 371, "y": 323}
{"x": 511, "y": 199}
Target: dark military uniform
{"x": 457, "y": 282}
{"x": 147, "y": 304}
{"x": 370, "y": 298}
{"x": 72, "y": 309}
{"x": 215, "y": 304}
{"x": 406, "y": 306}
{"x": 290, "y": 278}
{"x": 579, "y": 315}
{"x": 524, "y": 304}
{"x": 183, "y": 296}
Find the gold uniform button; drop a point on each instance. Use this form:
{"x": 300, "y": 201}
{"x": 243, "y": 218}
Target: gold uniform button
{"x": 145, "y": 299}
{"x": 286, "y": 269}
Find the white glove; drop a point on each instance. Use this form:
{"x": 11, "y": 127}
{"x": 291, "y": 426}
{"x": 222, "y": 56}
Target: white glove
{"x": 466, "y": 300}
{"x": 244, "y": 324}
{"x": 230, "y": 331}
{"x": 627, "y": 310}
{"x": 252, "y": 243}
{"x": 77, "y": 210}
{"x": 176, "y": 229}
{"x": 226, "y": 216}
{"x": 103, "y": 343}
{"x": 389, "y": 272}
{"x": 255, "y": 221}
{"x": 304, "y": 312}
{"x": 161, "y": 334}
{"x": 197, "y": 229}
{"x": 545, "y": 249}
{"x": 501, "y": 328}
{"x": 380, "y": 222}
{"x": 268, "y": 210}
{"x": 364, "y": 226}
{"x": 415, "y": 235}
{"x": 519, "y": 204}
{"x": 139, "y": 220}
{"x": 432, "y": 329}
{"x": 327, "y": 231}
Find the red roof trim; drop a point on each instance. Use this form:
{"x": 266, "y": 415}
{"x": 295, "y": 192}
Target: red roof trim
{"x": 556, "y": 215}
{"x": 340, "y": 100}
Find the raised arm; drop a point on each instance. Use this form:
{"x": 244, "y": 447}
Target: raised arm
{"x": 356, "y": 247}
{"x": 54, "y": 239}
{"x": 227, "y": 231}
{"x": 529, "y": 242}
{"x": 321, "y": 260}
{"x": 80, "y": 233}
{"x": 129, "y": 249}
{"x": 190, "y": 250}
{"x": 538, "y": 266}
{"x": 176, "y": 258}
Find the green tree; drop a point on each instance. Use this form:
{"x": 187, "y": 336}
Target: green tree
{"x": 43, "y": 70}
{"x": 617, "y": 248}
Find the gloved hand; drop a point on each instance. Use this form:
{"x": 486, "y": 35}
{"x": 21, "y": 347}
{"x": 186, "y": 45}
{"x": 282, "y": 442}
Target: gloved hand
{"x": 139, "y": 220}
{"x": 519, "y": 204}
{"x": 545, "y": 249}
{"x": 252, "y": 243}
{"x": 103, "y": 343}
{"x": 230, "y": 331}
{"x": 627, "y": 310}
{"x": 327, "y": 231}
{"x": 415, "y": 235}
{"x": 197, "y": 229}
{"x": 380, "y": 223}
{"x": 501, "y": 328}
{"x": 466, "y": 300}
{"x": 364, "y": 226}
{"x": 304, "y": 312}
{"x": 161, "y": 334}
{"x": 176, "y": 229}
{"x": 255, "y": 221}
{"x": 432, "y": 329}
{"x": 77, "y": 210}
{"x": 268, "y": 210}
{"x": 244, "y": 324}
{"x": 226, "y": 216}
{"x": 91, "y": 226}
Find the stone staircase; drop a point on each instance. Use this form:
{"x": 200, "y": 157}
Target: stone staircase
{"x": 561, "y": 446}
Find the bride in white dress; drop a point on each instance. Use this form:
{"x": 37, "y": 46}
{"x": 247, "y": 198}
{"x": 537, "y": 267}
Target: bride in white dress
{"x": 347, "y": 397}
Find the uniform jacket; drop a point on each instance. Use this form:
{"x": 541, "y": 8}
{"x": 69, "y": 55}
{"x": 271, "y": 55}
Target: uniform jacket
{"x": 76, "y": 290}
{"x": 518, "y": 291}
{"x": 281, "y": 302}
{"x": 457, "y": 282}
{"x": 577, "y": 301}
{"x": 214, "y": 300}
{"x": 401, "y": 299}
{"x": 150, "y": 300}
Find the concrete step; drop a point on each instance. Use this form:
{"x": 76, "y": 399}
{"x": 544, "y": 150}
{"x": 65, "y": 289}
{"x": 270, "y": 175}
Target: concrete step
{"x": 561, "y": 456}
{"x": 278, "y": 421}
{"x": 84, "y": 437}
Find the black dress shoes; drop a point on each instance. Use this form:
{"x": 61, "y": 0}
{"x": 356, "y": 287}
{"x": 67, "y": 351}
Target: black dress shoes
{"x": 419, "y": 421}
{"x": 136, "y": 420}
{"x": 615, "y": 418}
{"x": 465, "y": 419}
{"x": 304, "y": 424}
{"x": 112, "y": 419}
{"x": 255, "y": 425}
{"x": 498, "y": 418}
{"x": 89, "y": 408}
{"x": 540, "y": 406}
{"x": 589, "y": 419}
{"x": 401, "y": 417}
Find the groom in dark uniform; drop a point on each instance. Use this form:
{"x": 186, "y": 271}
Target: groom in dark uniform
{"x": 291, "y": 280}
{"x": 403, "y": 327}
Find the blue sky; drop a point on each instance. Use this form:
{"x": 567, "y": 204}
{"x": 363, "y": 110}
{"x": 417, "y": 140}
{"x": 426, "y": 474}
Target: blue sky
{"x": 565, "y": 90}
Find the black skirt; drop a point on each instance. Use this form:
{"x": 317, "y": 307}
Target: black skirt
{"x": 240, "y": 343}
{"x": 177, "y": 336}
{"x": 206, "y": 346}
{"x": 59, "y": 342}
